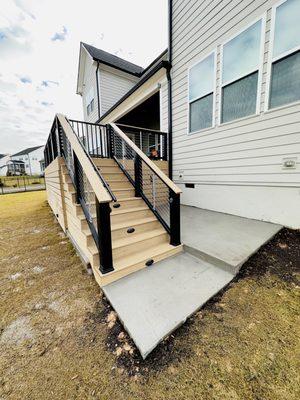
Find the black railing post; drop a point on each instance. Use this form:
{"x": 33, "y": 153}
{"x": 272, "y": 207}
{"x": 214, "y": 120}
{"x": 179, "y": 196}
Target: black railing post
{"x": 165, "y": 148}
{"x": 174, "y": 218}
{"x": 110, "y": 141}
{"x": 104, "y": 237}
{"x": 76, "y": 178}
{"x": 138, "y": 175}
{"x": 58, "y": 141}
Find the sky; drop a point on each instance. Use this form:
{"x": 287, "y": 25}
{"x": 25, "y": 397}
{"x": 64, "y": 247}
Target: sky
{"x": 39, "y": 49}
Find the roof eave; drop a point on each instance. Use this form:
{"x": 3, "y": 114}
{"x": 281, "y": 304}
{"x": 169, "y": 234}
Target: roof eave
{"x": 137, "y": 74}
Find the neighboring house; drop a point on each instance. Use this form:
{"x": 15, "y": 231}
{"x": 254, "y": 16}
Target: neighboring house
{"x": 31, "y": 158}
{"x": 4, "y": 158}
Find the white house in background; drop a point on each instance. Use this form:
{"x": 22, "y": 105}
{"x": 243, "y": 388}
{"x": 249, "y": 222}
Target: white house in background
{"x": 4, "y": 158}
{"x": 228, "y": 93}
{"x": 31, "y": 157}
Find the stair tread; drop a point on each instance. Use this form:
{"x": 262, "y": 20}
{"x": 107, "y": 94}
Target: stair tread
{"x": 137, "y": 238}
{"x": 128, "y": 199}
{"x": 124, "y": 189}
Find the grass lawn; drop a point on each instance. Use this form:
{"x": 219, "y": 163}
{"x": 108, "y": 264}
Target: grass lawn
{"x": 56, "y": 342}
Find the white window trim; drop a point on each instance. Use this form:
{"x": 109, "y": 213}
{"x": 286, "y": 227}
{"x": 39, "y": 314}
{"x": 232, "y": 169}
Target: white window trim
{"x": 263, "y": 20}
{"x": 272, "y": 59}
{"x": 214, "y": 52}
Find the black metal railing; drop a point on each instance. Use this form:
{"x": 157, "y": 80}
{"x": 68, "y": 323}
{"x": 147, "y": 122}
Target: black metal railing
{"x": 152, "y": 142}
{"x": 160, "y": 198}
{"x": 93, "y": 137}
{"x": 97, "y": 213}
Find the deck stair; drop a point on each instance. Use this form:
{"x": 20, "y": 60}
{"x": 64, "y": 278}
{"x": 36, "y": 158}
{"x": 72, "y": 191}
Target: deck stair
{"x": 137, "y": 219}
{"x": 137, "y": 235}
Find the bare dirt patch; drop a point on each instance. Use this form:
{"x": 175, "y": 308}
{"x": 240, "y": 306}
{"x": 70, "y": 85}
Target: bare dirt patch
{"x": 59, "y": 338}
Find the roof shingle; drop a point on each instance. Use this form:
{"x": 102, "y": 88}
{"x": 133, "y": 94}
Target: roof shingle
{"x": 26, "y": 151}
{"x": 113, "y": 61}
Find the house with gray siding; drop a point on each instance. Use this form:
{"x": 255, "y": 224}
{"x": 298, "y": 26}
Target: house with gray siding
{"x": 191, "y": 164}
{"x": 236, "y": 107}
{"x": 232, "y": 87}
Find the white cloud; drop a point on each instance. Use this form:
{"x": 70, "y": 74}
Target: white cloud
{"x": 133, "y": 29}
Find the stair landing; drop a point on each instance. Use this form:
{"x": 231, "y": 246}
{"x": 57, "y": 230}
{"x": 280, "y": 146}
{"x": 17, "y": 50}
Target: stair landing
{"x": 153, "y": 302}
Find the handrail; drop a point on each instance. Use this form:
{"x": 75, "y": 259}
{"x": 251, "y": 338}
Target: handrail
{"x": 105, "y": 184}
{"x": 147, "y": 160}
{"x": 91, "y": 189}
{"x": 84, "y": 122}
{"x": 101, "y": 192}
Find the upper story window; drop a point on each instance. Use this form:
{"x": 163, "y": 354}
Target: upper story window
{"x": 201, "y": 94}
{"x": 285, "y": 69}
{"x": 90, "y": 107}
{"x": 240, "y": 74}
{"x": 89, "y": 101}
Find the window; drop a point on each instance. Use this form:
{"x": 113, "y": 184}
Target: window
{"x": 89, "y": 100}
{"x": 285, "y": 67}
{"x": 240, "y": 74}
{"x": 201, "y": 94}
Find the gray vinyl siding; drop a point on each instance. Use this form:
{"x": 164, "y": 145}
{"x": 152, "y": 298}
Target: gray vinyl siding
{"x": 89, "y": 82}
{"x": 249, "y": 151}
{"x": 113, "y": 86}
{"x": 164, "y": 106}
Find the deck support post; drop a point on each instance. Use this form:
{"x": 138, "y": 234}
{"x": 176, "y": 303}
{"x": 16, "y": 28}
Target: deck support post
{"x": 103, "y": 211}
{"x": 174, "y": 200}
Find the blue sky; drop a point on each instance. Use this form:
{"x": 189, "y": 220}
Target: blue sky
{"x": 39, "y": 44}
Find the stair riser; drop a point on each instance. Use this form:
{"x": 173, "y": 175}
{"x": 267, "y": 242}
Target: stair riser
{"x": 122, "y": 233}
{"x": 112, "y": 177}
{"x": 100, "y": 162}
{"x": 119, "y": 218}
{"x": 109, "y": 169}
{"x": 119, "y": 185}
{"x": 125, "y": 205}
{"x": 117, "y": 274}
{"x": 124, "y": 194}
{"x": 125, "y": 251}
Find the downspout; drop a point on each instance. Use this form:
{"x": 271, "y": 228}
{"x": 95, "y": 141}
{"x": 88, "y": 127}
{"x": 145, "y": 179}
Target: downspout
{"x": 98, "y": 97}
{"x": 170, "y": 141}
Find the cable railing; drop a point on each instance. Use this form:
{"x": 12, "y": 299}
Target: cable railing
{"x": 160, "y": 194}
{"x": 93, "y": 137}
{"x": 152, "y": 142}
{"x": 91, "y": 190}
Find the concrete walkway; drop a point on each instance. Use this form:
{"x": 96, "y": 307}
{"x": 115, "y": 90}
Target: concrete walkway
{"x": 224, "y": 237}
{"x": 153, "y": 302}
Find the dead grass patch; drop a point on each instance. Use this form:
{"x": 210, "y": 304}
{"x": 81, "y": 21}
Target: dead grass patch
{"x": 55, "y": 341}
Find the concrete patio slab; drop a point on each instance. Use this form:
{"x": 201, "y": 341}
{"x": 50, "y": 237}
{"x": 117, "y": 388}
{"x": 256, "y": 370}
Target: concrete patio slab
{"x": 153, "y": 302}
{"x": 227, "y": 238}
